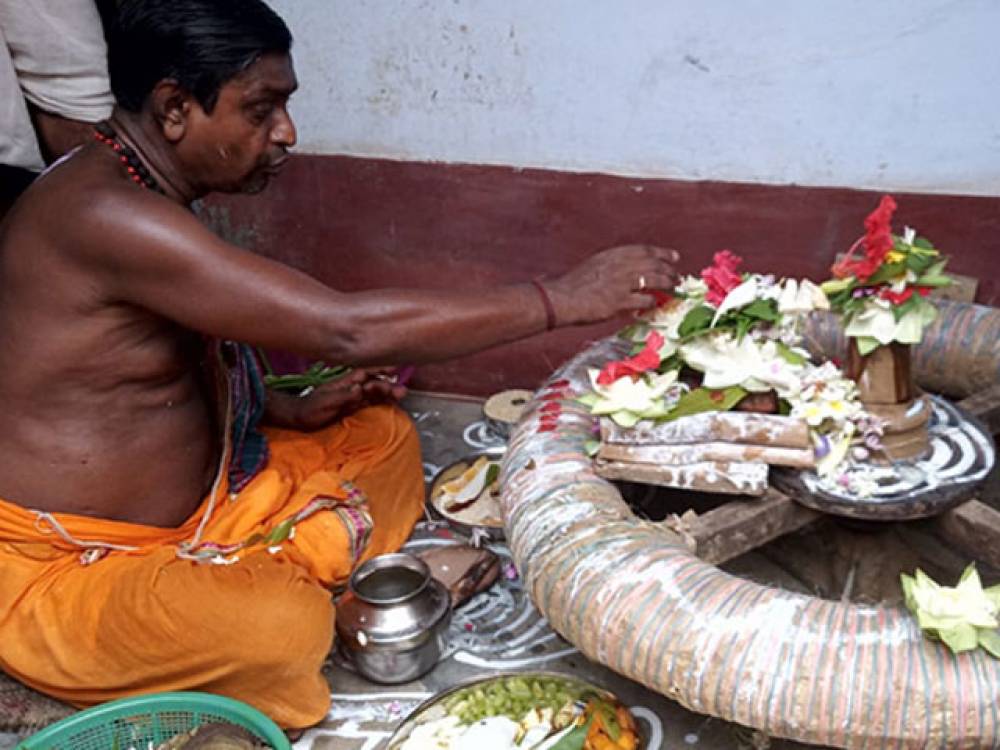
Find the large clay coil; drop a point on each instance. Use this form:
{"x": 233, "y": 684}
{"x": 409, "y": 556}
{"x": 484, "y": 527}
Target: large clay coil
{"x": 630, "y": 596}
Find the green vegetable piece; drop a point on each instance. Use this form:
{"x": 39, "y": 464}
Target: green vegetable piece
{"x": 574, "y": 738}
{"x": 609, "y": 719}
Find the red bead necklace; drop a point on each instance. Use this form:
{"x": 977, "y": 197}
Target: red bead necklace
{"x": 104, "y": 133}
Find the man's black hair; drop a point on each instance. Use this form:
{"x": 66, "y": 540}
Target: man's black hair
{"x": 200, "y": 44}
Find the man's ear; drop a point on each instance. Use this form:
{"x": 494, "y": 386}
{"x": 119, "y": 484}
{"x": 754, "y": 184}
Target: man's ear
{"x": 171, "y": 106}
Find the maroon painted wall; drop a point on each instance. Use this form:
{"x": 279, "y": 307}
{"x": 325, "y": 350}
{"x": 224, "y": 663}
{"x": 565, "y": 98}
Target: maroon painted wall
{"x": 364, "y": 223}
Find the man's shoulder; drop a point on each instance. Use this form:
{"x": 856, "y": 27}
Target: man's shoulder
{"x": 98, "y": 210}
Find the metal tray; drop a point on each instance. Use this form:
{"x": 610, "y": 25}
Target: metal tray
{"x": 433, "y": 708}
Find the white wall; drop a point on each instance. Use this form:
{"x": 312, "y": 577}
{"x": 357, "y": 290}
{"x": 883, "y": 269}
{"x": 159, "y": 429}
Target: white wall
{"x": 886, "y": 94}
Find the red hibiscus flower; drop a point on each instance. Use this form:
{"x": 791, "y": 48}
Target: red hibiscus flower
{"x": 877, "y": 243}
{"x": 660, "y": 297}
{"x": 646, "y": 360}
{"x": 722, "y": 276}
{"x": 896, "y": 298}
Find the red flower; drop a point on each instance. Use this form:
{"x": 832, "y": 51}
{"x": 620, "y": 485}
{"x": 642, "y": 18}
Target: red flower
{"x": 923, "y": 290}
{"x": 877, "y": 244}
{"x": 722, "y": 277}
{"x": 660, "y": 297}
{"x": 896, "y": 298}
{"x": 646, "y": 360}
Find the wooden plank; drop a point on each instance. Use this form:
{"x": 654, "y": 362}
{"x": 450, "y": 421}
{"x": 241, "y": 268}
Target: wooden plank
{"x": 731, "y": 478}
{"x": 985, "y": 406}
{"x": 975, "y": 528}
{"x": 742, "y": 525}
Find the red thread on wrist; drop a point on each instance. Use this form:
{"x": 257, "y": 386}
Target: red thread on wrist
{"x": 550, "y": 311}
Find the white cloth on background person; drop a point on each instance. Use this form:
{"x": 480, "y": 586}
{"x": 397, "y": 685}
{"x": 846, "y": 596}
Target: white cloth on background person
{"x": 52, "y": 53}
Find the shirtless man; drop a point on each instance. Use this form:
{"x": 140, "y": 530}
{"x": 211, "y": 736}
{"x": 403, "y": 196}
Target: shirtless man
{"x": 109, "y": 286}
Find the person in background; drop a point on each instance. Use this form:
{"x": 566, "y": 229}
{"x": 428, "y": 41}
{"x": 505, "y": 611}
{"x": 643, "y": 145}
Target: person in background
{"x": 53, "y": 86}
{"x": 166, "y": 523}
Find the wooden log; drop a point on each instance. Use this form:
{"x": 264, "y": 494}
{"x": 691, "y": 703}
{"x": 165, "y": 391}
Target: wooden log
{"x": 714, "y": 451}
{"x": 730, "y": 427}
{"x": 732, "y": 478}
{"x": 975, "y": 528}
{"x": 985, "y": 406}
{"x": 739, "y": 526}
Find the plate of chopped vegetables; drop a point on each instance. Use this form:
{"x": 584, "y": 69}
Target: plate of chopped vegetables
{"x": 523, "y": 711}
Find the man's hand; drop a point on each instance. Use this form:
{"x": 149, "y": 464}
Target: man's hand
{"x": 334, "y": 400}
{"x": 611, "y": 282}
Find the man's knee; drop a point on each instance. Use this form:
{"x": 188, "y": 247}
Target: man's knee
{"x": 267, "y": 613}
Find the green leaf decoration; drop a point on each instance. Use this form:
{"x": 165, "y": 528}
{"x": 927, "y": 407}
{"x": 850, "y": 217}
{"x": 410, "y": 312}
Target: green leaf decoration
{"x": 789, "y": 355}
{"x": 963, "y": 617}
{"x": 837, "y": 286}
{"x": 591, "y": 447}
{"x": 924, "y": 244}
{"x": 316, "y": 375}
{"x": 697, "y": 320}
{"x": 589, "y": 399}
{"x": 990, "y": 641}
{"x": 886, "y": 272}
{"x": 960, "y": 638}
{"x": 867, "y": 344}
{"x": 762, "y": 309}
{"x": 491, "y": 474}
{"x": 280, "y": 532}
{"x": 702, "y": 400}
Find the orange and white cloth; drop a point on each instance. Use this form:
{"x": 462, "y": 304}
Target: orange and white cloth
{"x": 235, "y": 601}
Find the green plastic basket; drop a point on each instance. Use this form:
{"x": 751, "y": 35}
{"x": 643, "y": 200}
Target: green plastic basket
{"x": 148, "y": 720}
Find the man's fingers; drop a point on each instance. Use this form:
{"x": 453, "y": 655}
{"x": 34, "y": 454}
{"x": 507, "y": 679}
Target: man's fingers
{"x": 640, "y": 301}
{"x": 665, "y": 254}
{"x": 653, "y": 279}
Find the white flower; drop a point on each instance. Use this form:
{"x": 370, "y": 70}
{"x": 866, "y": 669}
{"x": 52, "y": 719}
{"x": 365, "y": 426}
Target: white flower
{"x": 738, "y": 297}
{"x": 876, "y": 320}
{"x": 692, "y": 286}
{"x": 801, "y": 297}
{"x": 754, "y": 365}
{"x": 627, "y": 400}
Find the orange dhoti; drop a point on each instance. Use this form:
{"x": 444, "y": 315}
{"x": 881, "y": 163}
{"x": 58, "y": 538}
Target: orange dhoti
{"x": 235, "y": 601}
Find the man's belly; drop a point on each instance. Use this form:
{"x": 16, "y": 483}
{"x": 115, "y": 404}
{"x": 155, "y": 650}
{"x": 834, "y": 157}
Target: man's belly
{"x": 141, "y": 465}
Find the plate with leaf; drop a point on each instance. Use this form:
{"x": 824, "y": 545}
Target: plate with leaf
{"x": 466, "y": 493}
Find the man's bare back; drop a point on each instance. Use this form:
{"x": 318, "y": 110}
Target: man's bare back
{"x": 103, "y": 408}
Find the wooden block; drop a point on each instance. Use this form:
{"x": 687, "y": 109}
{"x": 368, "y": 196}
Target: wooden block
{"x": 730, "y": 427}
{"x": 732, "y": 478}
{"x": 905, "y": 446}
{"x": 901, "y": 418}
{"x": 714, "y": 451}
{"x": 973, "y": 526}
{"x": 739, "y": 526}
{"x": 884, "y": 375}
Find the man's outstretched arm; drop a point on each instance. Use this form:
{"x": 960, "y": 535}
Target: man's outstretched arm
{"x": 153, "y": 253}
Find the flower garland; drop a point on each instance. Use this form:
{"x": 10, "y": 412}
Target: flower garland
{"x": 882, "y": 294}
